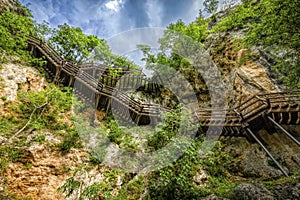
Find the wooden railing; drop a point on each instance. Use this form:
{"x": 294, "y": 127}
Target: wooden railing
{"x": 244, "y": 113}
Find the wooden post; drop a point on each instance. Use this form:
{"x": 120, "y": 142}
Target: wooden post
{"x": 57, "y": 75}
{"x": 94, "y": 73}
{"x": 97, "y": 100}
{"x": 137, "y": 119}
{"x": 108, "y": 105}
{"x": 32, "y": 48}
{"x": 71, "y": 81}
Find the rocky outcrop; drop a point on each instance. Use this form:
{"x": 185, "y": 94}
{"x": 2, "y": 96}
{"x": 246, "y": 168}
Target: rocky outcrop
{"x": 252, "y": 161}
{"x": 251, "y": 191}
{"x": 16, "y": 78}
{"x": 287, "y": 191}
{"x": 42, "y": 170}
{"x": 245, "y": 71}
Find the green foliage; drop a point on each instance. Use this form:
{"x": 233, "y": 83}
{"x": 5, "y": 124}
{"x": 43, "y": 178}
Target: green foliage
{"x": 210, "y": 5}
{"x": 72, "y": 43}
{"x": 39, "y": 110}
{"x": 113, "y": 72}
{"x": 103, "y": 189}
{"x": 46, "y": 107}
{"x": 40, "y": 138}
{"x": 71, "y": 140}
{"x": 9, "y": 154}
{"x": 92, "y": 192}
{"x": 279, "y": 27}
{"x": 3, "y": 98}
{"x": 178, "y": 43}
{"x": 279, "y": 24}
{"x": 166, "y": 131}
{"x": 115, "y": 134}
{"x": 277, "y": 182}
{"x": 133, "y": 189}
{"x": 122, "y": 136}
{"x": 274, "y": 25}
{"x": 122, "y": 61}
{"x": 241, "y": 17}
{"x": 238, "y": 44}
{"x": 196, "y": 30}
{"x": 9, "y": 124}
{"x": 220, "y": 48}
{"x": 176, "y": 181}
{"x": 221, "y": 187}
{"x": 14, "y": 29}
{"x": 95, "y": 191}
{"x": 217, "y": 162}
{"x": 39, "y": 63}
{"x": 42, "y": 30}
{"x": 69, "y": 186}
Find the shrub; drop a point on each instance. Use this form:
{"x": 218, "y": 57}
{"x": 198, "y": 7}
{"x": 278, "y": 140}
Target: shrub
{"x": 14, "y": 29}
{"x": 71, "y": 140}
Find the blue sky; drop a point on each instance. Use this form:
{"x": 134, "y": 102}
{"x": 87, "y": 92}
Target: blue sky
{"x": 106, "y": 18}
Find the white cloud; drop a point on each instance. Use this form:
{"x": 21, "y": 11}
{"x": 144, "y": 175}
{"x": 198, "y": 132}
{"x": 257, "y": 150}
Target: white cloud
{"x": 106, "y": 18}
{"x": 114, "y": 5}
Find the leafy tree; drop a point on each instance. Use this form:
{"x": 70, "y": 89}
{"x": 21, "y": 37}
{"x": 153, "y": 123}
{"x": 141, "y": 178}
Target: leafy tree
{"x": 211, "y": 5}
{"x": 122, "y": 61}
{"x": 73, "y": 44}
{"x": 103, "y": 54}
{"x": 178, "y": 43}
{"x": 42, "y": 30}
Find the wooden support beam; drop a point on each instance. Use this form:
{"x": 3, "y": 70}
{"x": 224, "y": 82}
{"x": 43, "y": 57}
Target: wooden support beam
{"x": 57, "y": 75}
{"x": 97, "y": 100}
{"x": 71, "y": 81}
{"x": 137, "y": 119}
{"x": 108, "y": 105}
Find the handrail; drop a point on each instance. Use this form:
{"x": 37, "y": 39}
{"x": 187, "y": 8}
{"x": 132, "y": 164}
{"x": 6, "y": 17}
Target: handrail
{"x": 248, "y": 109}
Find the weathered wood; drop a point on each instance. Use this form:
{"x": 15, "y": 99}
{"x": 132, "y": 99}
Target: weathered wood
{"x": 94, "y": 82}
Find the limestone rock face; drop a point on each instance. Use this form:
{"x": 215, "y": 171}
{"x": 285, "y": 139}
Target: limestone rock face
{"x": 42, "y": 171}
{"x": 250, "y": 191}
{"x": 15, "y": 77}
{"x": 288, "y": 191}
{"x": 251, "y": 78}
{"x": 254, "y": 162}
{"x": 200, "y": 178}
{"x": 245, "y": 72}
